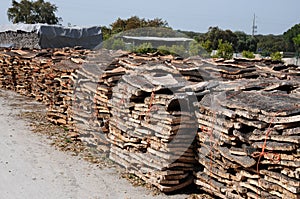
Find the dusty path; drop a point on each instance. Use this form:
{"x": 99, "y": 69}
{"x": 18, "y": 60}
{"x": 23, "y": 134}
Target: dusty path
{"x": 31, "y": 168}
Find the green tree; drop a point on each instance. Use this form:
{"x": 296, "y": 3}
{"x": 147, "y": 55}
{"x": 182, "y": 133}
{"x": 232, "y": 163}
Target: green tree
{"x": 268, "y": 44}
{"x": 106, "y": 32}
{"x": 134, "y": 22}
{"x": 245, "y": 42}
{"x": 242, "y": 41}
{"x": 251, "y": 44}
{"x": 225, "y": 50}
{"x": 32, "y": 12}
{"x": 296, "y": 41}
{"x": 207, "y": 45}
{"x": 214, "y": 34}
{"x": 290, "y": 34}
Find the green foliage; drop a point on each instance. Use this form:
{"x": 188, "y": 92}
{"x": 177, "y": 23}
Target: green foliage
{"x": 114, "y": 44}
{"x": 290, "y": 34}
{"x": 134, "y": 22}
{"x": 207, "y": 45}
{"x": 118, "y": 44}
{"x": 195, "y": 48}
{"x": 165, "y": 50}
{"x": 245, "y": 42}
{"x": 106, "y": 32}
{"x": 268, "y": 44}
{"x": 213, "y": 35}
{"x": 276, "y": 56}
{"x": 225, "y": 50}
{"x": 195, "y": 35}
{"x": 179, "y": 50}
{"x": 32, "y": 12}
{"x": 248, "y": 54}
{"x": 296, "y": 41}
{"x": 144, "y": 48}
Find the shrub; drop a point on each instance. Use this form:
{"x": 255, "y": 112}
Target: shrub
{"x": 276, "y": 56}
{"x": 225, "y": 50}
{"x": 144, "y": 48}
{"x": 248, "y": 54}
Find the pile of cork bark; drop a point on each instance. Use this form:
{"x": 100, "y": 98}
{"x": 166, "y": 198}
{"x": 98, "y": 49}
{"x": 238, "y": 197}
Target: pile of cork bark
{"x": 230, "y": 127}
{"x": 242, "y": 68}
{"x": 92, "y": 90}
{"x": 152, "y": 129}
{"x": 44, "y": 75}
{"x": 248, "y": 139}
{"x": 19, "y": 39}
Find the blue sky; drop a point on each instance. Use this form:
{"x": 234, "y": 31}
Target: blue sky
{"x": 273, "y": 16}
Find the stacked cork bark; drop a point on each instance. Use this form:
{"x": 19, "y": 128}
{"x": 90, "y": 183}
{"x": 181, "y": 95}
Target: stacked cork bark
{"x": 230, "y": 127}
{"x": 20, "y": 39}
{"x": 152, "y": 129}
{"x": 248, "y": 139}
{"x": 44, "y": 75}
{"x": 62, "y": 88}
{"x": 92, "y": 90}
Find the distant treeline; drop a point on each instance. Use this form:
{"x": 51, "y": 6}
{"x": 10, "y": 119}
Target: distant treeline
{"x": 240, "y": 41}
{"x": 32, "y": 12}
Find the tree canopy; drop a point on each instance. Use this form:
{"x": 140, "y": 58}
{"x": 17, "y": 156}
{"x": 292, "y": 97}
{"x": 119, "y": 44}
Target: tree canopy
{"x": 296, "y": 41}
{"x": 134, "y": 22}
{"x": 290, "y": 34}
{"x": 210, "y": 40}
{"x": 31, "y": 12}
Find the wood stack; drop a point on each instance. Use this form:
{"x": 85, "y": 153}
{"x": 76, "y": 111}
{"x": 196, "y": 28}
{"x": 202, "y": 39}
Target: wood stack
{"x": 248, "y": 142}
{"x": 93, "y": 88}
{"x": 20, "y": 39}
{"x": 44, "y": 75}
{"x": 239, "y": 68}
{"x": 149, "y": 108}
{"x": 94, "y": 82}
{"x": 152, "y": 129}
{"x": 61, "y": 88}
{"x": 8, "y": 61}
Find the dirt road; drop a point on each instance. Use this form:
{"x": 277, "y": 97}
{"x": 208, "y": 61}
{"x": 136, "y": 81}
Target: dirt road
{"x": 31, "y": 168}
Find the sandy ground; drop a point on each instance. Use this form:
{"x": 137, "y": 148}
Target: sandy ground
{"x": 31, "y": 168}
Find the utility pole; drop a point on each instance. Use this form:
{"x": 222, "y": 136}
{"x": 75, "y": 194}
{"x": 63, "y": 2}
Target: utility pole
{"x": 254, "y": 26}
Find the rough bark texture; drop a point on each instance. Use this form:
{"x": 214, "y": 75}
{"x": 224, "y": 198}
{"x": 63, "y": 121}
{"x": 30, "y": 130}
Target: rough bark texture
{"x": 20, "y": 39}
{"x": 173, "y": 122}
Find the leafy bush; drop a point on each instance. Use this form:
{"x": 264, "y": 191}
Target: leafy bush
{"x": 118, "y": 44}
{"x": 165, "y": 50}
{"x": 248, "y": 54}
{"x": 144, "y": 48}
{"x": 225, "y": 50}
{"x": 276, "y": 56}
{"x": 114, "y": 44}
{"x": 179, "y": 50}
